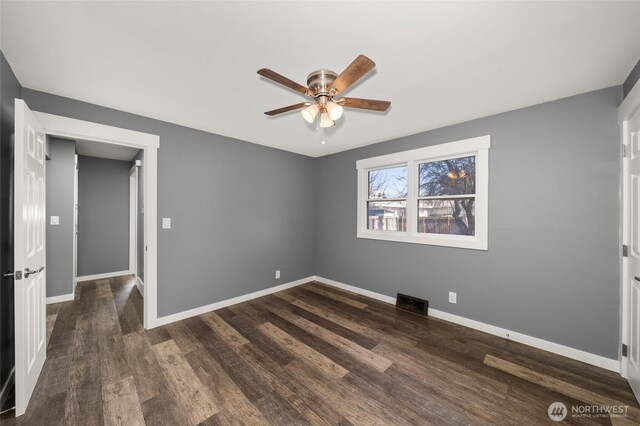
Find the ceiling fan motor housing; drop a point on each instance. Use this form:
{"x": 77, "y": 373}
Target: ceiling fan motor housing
{"x": 319, "y": 83}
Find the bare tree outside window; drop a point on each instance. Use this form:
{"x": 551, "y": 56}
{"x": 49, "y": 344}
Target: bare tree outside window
{"x": 387, "y": 199}
{"x": 446, "y": 196}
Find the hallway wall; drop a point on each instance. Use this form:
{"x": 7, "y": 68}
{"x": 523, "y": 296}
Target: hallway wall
{"x": 239, "y": 211}
{"x": 60, "y": 171}
{"x": 103, "y": 216}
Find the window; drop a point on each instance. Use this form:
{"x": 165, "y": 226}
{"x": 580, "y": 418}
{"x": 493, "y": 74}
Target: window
{"x": 435, "y": 195}
{"x": 387, "y": 199}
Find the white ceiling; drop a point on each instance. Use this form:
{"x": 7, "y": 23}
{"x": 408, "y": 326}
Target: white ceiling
{"x": 439, "y": 63}
{"x": 105, "y": 150}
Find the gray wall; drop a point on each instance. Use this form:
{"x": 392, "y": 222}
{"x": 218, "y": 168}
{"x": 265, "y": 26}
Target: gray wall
{"x": 551, "y": 270}
{"x": 103, "y": 215}
{"x": 240, "y": 211}
{"x": 10, "y": 89}
{"x": 631, "y": 80}
{"x": 140, "y": 236}
{"x": 60, "y": 171}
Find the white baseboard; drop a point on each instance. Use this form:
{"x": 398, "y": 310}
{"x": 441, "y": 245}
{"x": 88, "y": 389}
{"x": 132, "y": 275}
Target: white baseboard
{"x": 577, "y": 354}
{"x": 4, "y": 393}
{"x": 102, "y": 276}
{"x": 224, "y": 303}
{"x": 61, "y": 298}
{"x": 358, "y": 290}
{"x": 140, "y": 285}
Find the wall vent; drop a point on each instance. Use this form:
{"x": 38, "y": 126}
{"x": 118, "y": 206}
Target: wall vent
{"x": 412, "y": 304}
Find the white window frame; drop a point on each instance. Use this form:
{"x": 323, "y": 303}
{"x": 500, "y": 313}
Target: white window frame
{"x": 479, "y": 147}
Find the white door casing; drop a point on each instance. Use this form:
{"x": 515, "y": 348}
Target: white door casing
{"x": 29, "y": 246}
{"x": 70, "y": 128}
{"x": 133, "y": 221}
{"x": 75, "y": 223}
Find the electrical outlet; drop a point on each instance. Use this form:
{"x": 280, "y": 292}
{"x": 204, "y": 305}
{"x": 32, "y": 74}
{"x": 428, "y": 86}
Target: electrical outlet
{"x": 453, "y": 297}
{"x": 277, "y": 274}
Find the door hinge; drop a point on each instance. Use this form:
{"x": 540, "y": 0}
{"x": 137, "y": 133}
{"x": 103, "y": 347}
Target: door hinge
{"x": 625, "y": 250}
{"x": 624, "y": 151}
{"x": 624, "y": 350}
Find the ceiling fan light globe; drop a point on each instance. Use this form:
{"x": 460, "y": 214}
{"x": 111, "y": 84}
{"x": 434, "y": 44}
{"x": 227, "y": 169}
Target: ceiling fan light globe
{"x": 310, "y": 112}
{"x": 326, "y": 121}
{"x": 334, "y": 110}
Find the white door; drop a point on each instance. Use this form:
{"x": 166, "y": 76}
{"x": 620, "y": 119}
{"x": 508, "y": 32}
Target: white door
{"x": 633, "y": 280}
{"x": 29, "y": 245}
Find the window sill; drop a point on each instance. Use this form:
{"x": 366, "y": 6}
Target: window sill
{"x": 454, "y": 241}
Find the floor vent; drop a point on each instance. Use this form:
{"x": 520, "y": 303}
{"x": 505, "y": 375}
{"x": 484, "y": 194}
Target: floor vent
{"x": 412, "y": 304}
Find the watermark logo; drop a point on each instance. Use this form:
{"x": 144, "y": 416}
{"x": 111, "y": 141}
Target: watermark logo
{"x": 557, "y": 411}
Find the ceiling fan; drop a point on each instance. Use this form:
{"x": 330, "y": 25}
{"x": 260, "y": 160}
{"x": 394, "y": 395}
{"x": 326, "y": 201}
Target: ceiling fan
{"x": 324, "y": 86}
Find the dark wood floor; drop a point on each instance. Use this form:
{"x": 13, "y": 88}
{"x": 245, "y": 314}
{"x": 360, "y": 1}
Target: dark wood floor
{"x": 308, "y": 355}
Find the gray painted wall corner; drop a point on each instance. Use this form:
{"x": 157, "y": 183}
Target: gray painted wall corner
{"x": 243, "y": 211}
{"x": 551, "y": 270}
{"x": 631, "y": 80}
{"x": 240, "y": 211}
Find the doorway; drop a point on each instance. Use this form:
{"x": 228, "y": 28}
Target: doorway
{"x": 148, "y": 144}
{"x": 136, "y": 232}
{"x": 29, "y": 305}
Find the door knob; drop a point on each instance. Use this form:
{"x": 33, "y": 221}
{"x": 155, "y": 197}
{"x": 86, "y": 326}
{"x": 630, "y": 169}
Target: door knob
{"x": 17, "y": 275}
{"x": 28, "y": 271}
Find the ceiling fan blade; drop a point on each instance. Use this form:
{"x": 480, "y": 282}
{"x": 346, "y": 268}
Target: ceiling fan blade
{"x": 364, "y": 104}
{"x": 356, "y": 70}
{"x": 287, "y": 108}
{"x": 274, "y": 76}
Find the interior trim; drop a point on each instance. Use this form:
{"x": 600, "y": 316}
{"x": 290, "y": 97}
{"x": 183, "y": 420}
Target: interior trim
{"x": 140, "y": 285}
{"x": 233, "y": 301}
{"x": 102, "y": 276}
{"x": 61, "y": 298}
{"x": 576, "y": 354}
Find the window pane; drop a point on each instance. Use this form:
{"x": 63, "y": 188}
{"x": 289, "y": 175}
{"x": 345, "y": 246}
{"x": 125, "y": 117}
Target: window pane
{"x": 387, "y": 215}
{"x": 456, "y": 176}
{"x": 388, "y": 183}
{"x": 453, "y": 216}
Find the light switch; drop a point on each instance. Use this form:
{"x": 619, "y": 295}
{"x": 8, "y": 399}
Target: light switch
{"x": 166, "y": 223}
{"x": 55, "y": 220}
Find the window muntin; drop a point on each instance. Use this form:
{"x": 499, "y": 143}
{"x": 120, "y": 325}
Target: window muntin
{"x": 433, "y": 210}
